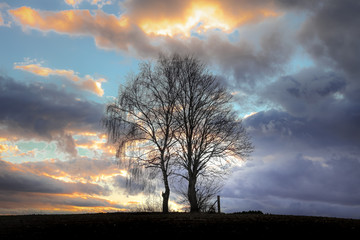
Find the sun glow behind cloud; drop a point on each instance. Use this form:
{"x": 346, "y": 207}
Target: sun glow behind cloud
{"x": 281, "y": 61}
{"x": 196, "y": 18}
{"x": 201, "y": 16}
{"x": 139, "y": 28}
{"x": 110, "y": 31}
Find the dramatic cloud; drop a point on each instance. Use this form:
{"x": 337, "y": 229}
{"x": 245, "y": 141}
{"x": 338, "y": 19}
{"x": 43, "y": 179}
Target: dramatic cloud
{"x": 298, "y": 184}
{"x": 42, "y": 111}
{"x": 335, "y": 47}
{"x": 108, "y": 30}
{"x": 153, "y": 17}
{"x": 150, "y": 27}
{"x": 144, "y": 20}
{"x": 248, "y": 64}
{"x": 307, "y": 93}
{"x": 331, "y": 34}
{"x": 300, "y": 166}
{"x": 306, "y": 159}
{"x": 321, "y": 102}
{"x": 20, "y": 179}
{"x": 75, "y": 170}
{"x": 96, "y": 143}
{"x": 87, "y": 83}
{"x": 41, "y": 186}
{"x": 177, "y": 17}
{"x": 292, "y": 67}
{"x": 295, "y": 134}
{"x": 30, "y": 203}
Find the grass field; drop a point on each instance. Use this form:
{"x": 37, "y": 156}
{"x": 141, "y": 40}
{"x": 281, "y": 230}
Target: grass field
{"x": 180, "y": 224}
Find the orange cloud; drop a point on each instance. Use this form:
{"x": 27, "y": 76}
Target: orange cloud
{"x": 7, "y": 150}
{"x": 144, "y": 20}
{"x": 95, "y": 142}
{"x": 181, "y": 17}
{"x": 64, "y": 21}
{"x": 81, "y": 170}
{"x": 44, "y": 71}
{"x": 92, "y": 85}
{"x": 28, "y": 203}
{"x": 108, "y": 30}
{"x": 88, "y": 83}
{"x": 196, "y": 17}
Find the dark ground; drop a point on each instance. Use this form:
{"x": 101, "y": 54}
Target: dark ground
{"x": 118, "y": 225}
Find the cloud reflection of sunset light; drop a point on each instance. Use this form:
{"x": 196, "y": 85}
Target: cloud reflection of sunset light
{"x": 87, "y": 83}
{"x": 200, "y": 17}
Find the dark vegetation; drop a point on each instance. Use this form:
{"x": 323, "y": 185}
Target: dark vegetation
{"x": 179, "y": 224}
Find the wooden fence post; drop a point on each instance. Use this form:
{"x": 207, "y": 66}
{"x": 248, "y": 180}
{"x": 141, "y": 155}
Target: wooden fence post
{"x": 218, "y": 203}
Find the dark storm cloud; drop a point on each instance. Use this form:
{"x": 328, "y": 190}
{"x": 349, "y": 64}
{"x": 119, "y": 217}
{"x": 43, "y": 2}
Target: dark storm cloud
{"x": 307, "y": 92}
{"x": 299, "y": 4}
{"x": 328, "y": 33}
{"x": 249, "y": 60}
{"x": 319, "y": 100}
{"x": 306, "y": 158}
{"x": 301, "y": 177}
{"x": 331, "y": 35}
{"x": 279, "y": 131}
{"x": 250, "y": 64}
{"x": 298, "y": 184}
{"x": 300, "y": 166}
{"x": 42, "y": 111}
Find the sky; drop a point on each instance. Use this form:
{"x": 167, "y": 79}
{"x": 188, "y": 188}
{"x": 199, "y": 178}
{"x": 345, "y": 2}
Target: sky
{"x": 292, "y": 67}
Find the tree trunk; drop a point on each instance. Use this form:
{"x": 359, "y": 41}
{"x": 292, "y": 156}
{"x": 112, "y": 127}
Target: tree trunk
{"x": 165, "y": 196}
{"x": 194, "y": 207}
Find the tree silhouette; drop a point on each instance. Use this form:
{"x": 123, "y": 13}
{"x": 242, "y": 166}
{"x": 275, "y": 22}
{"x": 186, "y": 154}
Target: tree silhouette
{"x": 210, "y": 136}
{"x": 142, "y": 117}
{"x": 181, "y": 121}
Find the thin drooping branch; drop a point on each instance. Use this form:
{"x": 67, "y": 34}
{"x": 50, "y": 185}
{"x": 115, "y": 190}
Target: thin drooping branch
{"x": 142, "y": 116}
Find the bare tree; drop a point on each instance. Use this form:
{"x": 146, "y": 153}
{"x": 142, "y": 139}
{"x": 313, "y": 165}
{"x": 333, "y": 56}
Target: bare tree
{"x": 141, "y": 121}
{"x": 176, "y": 114}
{"x": 210, "y": 136}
